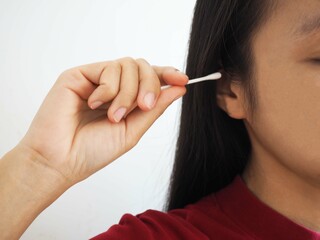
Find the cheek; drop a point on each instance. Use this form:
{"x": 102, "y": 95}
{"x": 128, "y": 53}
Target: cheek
{"x": 288, "y": 117}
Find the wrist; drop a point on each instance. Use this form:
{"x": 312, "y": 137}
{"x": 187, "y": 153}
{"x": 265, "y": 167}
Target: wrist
{"x": 27, "y": 187}
{"x": 27, "y": 168}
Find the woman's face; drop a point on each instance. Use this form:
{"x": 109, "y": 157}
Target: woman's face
{"x": 286, "y": 128}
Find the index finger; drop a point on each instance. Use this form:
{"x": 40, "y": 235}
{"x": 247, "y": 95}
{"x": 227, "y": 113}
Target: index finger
{"x": 170, "y": 76}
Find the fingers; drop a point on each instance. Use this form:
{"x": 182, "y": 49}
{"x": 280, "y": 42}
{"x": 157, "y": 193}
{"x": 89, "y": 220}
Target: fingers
{"x": 129, "y": 86}
{"x": 166, "y": 74}
{"x": 109, "y": 84}
{"x": 122, "y": 85}
{"x": 139, "y": 121}
{"x": 150, "y": 83}
{"x": 92, "y": 71}
{"x": 139, "y": 87}
{"x": 149, "y": 88}
{"x": 170, "y": 76}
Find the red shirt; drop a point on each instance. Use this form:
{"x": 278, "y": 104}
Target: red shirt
{"x": 234, "y": 212}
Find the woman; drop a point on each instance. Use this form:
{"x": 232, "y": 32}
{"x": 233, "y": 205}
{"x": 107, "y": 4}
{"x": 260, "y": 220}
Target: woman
{"x": 248, "y": 159}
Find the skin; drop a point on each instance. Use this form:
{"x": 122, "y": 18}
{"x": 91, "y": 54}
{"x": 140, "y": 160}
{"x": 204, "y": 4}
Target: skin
{"x": 285, "y": 128}
{"x": 68, "y": 141}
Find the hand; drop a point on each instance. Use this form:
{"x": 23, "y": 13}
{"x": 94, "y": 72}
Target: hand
{"x": 75, "y": 140}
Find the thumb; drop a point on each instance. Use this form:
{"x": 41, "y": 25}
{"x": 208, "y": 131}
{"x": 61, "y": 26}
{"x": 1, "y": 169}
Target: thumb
{"x": 139, "y": 121}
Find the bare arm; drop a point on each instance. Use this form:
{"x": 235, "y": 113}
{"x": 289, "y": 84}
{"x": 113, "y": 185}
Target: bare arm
{"x": 74, "y": 133}
{"x": 27, "y": 187}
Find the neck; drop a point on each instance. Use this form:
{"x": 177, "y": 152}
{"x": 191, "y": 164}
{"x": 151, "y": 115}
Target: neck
{"x": 283, "y": 190}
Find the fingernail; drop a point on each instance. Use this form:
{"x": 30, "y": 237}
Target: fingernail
{"x": 119, "y": 114}
{"x": 96, "y": 104}
{"x": 149, "y": 99}
{"x": 178, "y": 71}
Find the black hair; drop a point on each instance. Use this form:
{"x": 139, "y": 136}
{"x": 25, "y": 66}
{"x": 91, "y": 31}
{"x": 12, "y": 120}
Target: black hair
{"x": 212, "y": 148}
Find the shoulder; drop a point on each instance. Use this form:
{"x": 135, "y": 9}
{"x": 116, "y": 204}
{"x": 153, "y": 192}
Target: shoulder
{"x": 200, "y": 220}
{"x": 152, "y": 224}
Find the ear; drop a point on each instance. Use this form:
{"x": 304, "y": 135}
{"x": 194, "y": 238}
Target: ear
{"x": 230, "y": 96}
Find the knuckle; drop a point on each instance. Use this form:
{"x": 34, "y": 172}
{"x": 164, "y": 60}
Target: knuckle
{"x": 68, "y": 76}
{"x": 68, "y": 72}
{"x": 109, "y": 87}
{"x": 156, "y": 81}
{"x": 130, "y": 94}
{"x": 129, "y": 97}
{"x": 156, "y": 85}
{"x": 115, "y": 65}
{"x": 142, "y": 60}
{"x": 128, "y": 61}
{"x": 111, "y": 90}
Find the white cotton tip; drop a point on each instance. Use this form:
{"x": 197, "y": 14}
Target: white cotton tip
{"x": 213, "y": 76}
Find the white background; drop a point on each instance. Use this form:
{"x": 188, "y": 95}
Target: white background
{"x": 38, "y": 40}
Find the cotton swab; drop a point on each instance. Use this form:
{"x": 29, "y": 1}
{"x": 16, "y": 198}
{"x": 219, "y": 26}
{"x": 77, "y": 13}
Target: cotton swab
{"x": 213, "y": 76}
